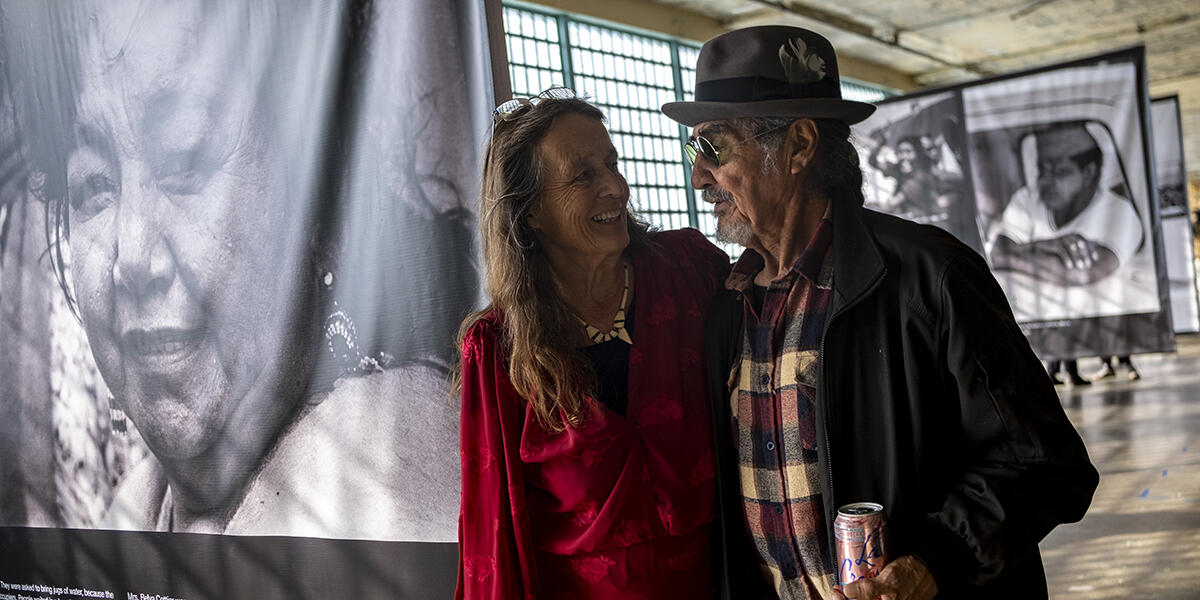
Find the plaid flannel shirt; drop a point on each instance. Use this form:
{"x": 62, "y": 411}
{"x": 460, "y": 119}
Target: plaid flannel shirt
{"x": 772, "y": 401}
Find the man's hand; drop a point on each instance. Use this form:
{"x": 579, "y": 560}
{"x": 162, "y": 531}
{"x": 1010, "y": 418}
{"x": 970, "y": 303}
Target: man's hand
{"x": 1075, "y": 251}
{"x": 1068, "y": 260}
{"x": 905, "y": 578}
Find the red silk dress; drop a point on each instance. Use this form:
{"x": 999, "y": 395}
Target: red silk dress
{"x": 623, "y": 506}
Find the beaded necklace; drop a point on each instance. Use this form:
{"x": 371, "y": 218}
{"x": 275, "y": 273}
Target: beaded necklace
{"x": 618, "y": 327}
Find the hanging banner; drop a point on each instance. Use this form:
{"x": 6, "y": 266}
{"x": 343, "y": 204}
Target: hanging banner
{"x": 915, "y": 164}
{"x": 236, "y": 241}
{"x": 1047, "y": 174}
{"x": 1178, "y": 236}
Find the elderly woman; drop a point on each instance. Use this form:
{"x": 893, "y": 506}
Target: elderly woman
{"x": 586, "y": 441}
{"x": 222, "y": 292}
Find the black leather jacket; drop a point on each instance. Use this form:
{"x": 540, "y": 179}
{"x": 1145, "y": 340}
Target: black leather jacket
{"x": 932, "y": 403}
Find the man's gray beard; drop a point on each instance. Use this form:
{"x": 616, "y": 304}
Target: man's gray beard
{"x": 728, "y": 230}
{"x": 734, "y": 232}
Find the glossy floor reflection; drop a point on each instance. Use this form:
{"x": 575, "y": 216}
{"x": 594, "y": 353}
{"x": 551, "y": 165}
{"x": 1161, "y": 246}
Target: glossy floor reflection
{"x": 1141, "y": 537}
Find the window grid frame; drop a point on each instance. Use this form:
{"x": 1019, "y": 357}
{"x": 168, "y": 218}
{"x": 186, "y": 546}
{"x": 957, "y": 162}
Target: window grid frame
{"x": 661, "y": 193}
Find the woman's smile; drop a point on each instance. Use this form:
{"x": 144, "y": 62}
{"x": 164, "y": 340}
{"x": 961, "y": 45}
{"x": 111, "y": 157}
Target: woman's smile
{"x": 160, "y": 347}
{"x": 608, "y": 217}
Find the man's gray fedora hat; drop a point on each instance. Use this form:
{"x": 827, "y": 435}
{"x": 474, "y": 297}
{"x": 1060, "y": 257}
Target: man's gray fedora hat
{"x": 769, "y": 71}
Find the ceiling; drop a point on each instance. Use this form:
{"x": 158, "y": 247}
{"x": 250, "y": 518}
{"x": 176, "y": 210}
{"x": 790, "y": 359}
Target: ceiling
{"x": 938, "y": 42}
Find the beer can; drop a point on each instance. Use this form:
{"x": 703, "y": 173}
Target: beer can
{"x": 860, "y": 533}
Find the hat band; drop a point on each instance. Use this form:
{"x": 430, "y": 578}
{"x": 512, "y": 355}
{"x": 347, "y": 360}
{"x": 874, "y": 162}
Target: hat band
{"x": 755, "y": 89}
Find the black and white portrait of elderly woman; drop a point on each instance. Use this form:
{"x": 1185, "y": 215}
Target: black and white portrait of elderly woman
{"x": 249, "y": 215}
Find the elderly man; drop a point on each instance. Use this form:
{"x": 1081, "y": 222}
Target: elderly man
{"x": 858, "y": 357}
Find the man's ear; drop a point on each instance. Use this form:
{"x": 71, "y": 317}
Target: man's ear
{"x": 802, "y": 137}
{"x": 533, "y": 221}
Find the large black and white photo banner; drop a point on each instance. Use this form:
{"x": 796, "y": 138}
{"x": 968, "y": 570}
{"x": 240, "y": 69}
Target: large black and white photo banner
{"x": 1178, "y": 239}
{"x": 1047, "y": 174}
{"x": 236, "y": 240}
{"x": 914, "y": 158}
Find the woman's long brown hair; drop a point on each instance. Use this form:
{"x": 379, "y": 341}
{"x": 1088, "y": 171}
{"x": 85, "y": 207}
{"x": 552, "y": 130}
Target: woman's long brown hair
{"x": 540, "y": 332}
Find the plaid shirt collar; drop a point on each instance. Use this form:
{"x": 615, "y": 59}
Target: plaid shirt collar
{"x": 808, "y": 265}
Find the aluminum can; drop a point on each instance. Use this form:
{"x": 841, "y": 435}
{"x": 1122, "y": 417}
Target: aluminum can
{"x": 860, "y": 533}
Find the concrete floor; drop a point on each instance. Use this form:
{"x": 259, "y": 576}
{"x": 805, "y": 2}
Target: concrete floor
{"x": 1141, "y": 537}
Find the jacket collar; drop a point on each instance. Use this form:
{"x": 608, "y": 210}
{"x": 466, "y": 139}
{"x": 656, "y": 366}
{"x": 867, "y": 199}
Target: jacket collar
{"x": 857, "y": 260}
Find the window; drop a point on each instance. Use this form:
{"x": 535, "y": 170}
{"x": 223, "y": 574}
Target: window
{"x": 629, "y": 75}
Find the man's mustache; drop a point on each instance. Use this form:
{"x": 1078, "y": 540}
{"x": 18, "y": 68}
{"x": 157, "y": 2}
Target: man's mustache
{"x": 715, "y": 194}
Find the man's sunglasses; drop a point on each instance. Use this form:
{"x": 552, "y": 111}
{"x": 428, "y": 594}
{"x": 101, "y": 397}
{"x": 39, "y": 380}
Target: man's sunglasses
{"x": 699, "y": 145}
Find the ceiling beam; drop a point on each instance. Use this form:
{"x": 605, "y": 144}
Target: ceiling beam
{"x": 1133, "y": 29}
{"x": 817, "y": 14}
{"x": 963, "y": 16}
{"x": 890, "y": 38}
{"x": 685, "y": 24}
{"x": 869, "y": 72}
{"x": 661, "y": 18}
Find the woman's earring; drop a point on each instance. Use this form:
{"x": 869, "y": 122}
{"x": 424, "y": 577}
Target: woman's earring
{"x": 117, "y": 419}
{"x": 341, "y": 337}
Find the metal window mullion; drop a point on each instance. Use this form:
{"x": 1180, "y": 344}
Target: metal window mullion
{"x": 565, "y": 46}
{"x": 689, "y": 195}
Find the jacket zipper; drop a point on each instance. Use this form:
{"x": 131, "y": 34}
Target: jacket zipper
{"x": 825, "y": 413}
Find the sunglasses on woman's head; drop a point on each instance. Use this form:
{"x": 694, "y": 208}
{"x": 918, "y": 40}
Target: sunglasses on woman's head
{"x": 512, "y": 109}
{"x": 699, "y": 145}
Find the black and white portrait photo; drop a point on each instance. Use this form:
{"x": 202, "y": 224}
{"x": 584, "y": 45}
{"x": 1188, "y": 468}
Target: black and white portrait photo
{"x": 1178, "y": 238}
{"x": 1061, "y": 192}
{"x": 1169, "y": 168}
{"x": 913, "y": 152}
{"x": 238, "y": 242}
